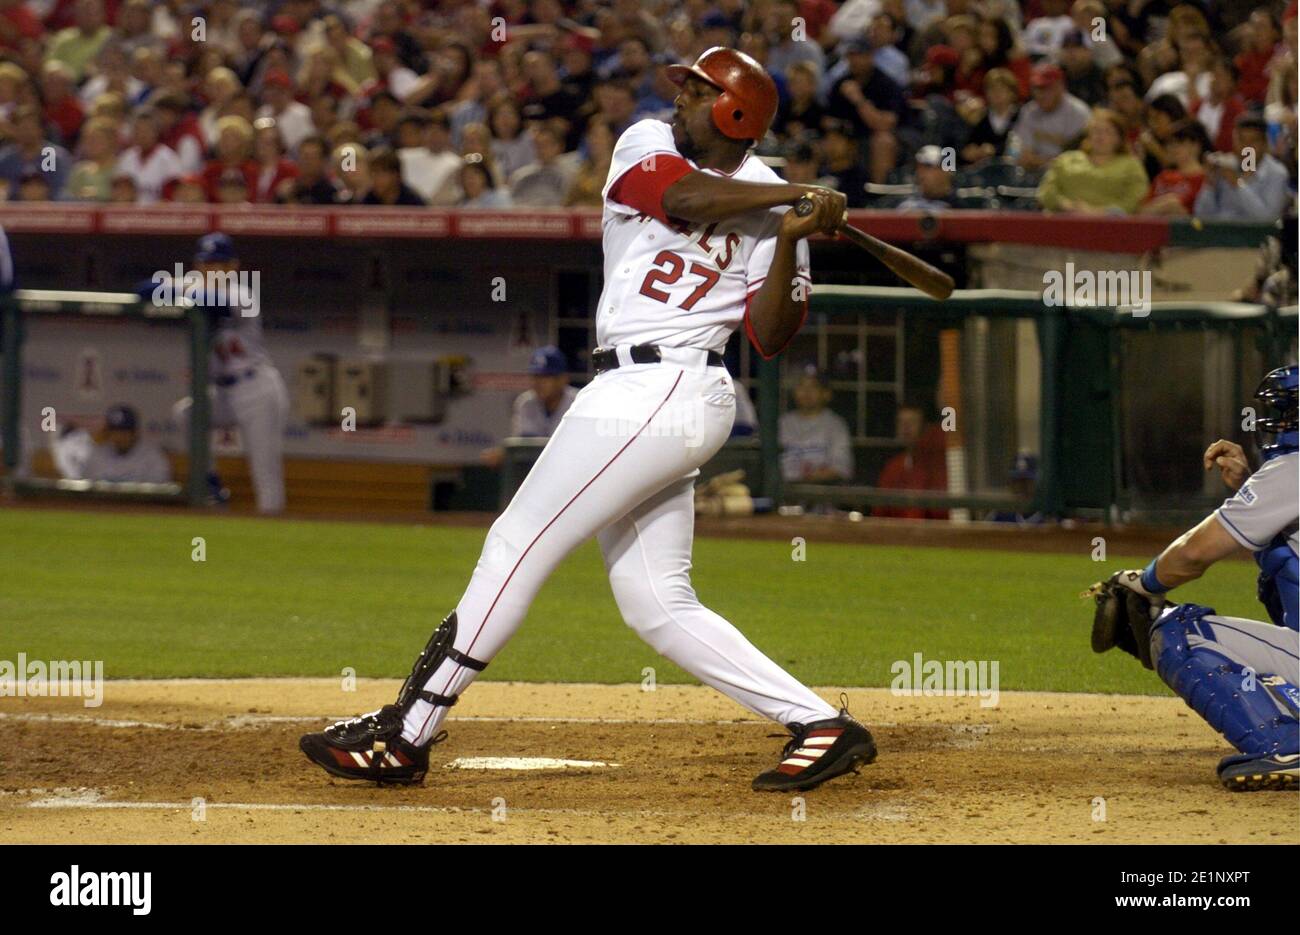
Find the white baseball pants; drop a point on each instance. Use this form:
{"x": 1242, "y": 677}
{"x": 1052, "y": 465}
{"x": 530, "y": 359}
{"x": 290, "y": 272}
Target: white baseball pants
{"x": 259, "y": 407}
{"x": 622, "y": 465}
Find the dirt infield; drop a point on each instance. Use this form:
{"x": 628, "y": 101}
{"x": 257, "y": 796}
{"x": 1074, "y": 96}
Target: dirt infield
{"x": 677, "y": 765}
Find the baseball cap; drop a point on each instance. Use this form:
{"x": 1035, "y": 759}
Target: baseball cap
{"x": 930, "y": 155}
{"x": 576, "y": 42}
{"x": 812, "y": 372}
{"x": 548, "y": 361}
{"x": 277, "y": 79}
{"x": 1024, "y": 467}
{"x": 120, "y": 417}
{"x": 215, "y": 248}
{"x": 285, "y": 25}
{"x": 1044, "y": 74}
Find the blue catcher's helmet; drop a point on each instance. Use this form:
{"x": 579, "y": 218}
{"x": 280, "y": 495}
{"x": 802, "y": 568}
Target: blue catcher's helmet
{"x": 1277, "y": 391}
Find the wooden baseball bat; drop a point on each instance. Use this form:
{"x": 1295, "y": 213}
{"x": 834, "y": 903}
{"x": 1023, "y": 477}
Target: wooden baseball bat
{"x": 911, "y": 269}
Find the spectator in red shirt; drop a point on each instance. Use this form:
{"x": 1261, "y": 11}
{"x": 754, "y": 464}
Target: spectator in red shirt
{"x": 1173, "y": 191}
{"x": 1263, "y": 34}
{"x": 998, "y": 49}
{"x": 274, "y": 171}
{"x": 232, "y": 188}
{"x": 63, "y": 109}
{"x": 1218, "y": 111}
{"x": 919, "y": 466}
{"x": 1122, "y": 97}
{"x": 180, "y": 130}
{"x": 816, "y": 15}
{"x": 17, "y": 22}
{"x": 938, "y": 73}
{"x": 234, "y": 152}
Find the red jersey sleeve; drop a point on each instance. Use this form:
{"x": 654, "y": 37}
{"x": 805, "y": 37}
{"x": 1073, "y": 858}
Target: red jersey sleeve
{"x": 642, "y": 186}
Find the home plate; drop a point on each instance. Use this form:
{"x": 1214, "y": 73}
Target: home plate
{"x": 522, "y": 762}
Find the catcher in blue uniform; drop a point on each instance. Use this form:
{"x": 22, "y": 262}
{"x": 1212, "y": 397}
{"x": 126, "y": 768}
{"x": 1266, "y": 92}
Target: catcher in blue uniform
{"x": 1240, "y": 675}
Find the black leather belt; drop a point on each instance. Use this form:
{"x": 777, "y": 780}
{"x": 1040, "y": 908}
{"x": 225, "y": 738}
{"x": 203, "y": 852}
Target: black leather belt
{"x": 606, "y": 358}
{"x": 230, "y": 379}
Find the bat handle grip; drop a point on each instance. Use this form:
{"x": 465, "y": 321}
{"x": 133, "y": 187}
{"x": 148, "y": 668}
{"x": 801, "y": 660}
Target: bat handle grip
{"x": 804, "y": 207}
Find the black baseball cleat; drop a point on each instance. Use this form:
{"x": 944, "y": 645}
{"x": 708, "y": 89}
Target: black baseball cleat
{"x": 1242, "y": 772}
{"x": 370, "y": 747}
{"x": 818, "y": 751}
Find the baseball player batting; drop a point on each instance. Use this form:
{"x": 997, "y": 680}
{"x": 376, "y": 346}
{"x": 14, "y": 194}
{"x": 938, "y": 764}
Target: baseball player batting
{"x": 698, "y": 240}
{"x": 1242, "y": 676}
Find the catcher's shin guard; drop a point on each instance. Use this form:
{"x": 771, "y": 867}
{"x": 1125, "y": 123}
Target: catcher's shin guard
{"x": 371, "y": 747}
{"x": 1255, "y": 712}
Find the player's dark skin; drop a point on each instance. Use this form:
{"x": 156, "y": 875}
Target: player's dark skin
{"x": 776, "y": 310}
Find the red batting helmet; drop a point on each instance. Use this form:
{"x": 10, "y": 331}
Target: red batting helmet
{"x": 747, "y": 104}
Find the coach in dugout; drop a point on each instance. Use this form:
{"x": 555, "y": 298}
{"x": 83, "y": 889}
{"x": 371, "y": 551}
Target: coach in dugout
{"x": 537, "y": 411}
{"x": 122, "y": 455}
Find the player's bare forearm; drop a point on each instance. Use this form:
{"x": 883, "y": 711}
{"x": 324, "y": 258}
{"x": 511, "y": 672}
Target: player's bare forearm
{"x": 1191, "y": 554}
{"x": 703, "y": 199}
{"x": 775, "y": 312}
{"x": 777, "y": 309}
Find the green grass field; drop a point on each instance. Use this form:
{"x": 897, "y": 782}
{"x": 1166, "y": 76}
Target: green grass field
{"x": 309, "y": 598}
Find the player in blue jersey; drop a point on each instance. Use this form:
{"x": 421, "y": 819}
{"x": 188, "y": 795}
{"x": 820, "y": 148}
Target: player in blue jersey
{"x": 1240, "y": 675}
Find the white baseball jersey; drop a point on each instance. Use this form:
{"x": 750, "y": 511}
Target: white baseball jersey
{"x": 811, "y": 443}
{"x": 144, "y": 463}
{"x": 530, "y": 418}
{"x": 634, "y": 490}
{"x": 682, "y": 285}
{"x": 249, "y": 393}
{"x": 237, "y": 342}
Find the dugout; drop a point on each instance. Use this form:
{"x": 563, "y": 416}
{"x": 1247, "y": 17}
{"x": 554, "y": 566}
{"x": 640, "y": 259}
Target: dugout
{"x": 1117, "y": 404}
{"x": 391, "y": 285}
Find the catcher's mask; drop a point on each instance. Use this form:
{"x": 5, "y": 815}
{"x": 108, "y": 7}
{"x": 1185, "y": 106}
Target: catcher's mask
{"x": 1276, "y": 430}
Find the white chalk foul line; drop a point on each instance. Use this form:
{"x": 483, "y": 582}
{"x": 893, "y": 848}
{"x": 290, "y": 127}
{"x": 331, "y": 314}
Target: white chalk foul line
{"x": 522, "y": 762}
{"x": 243, "y": 721}
{"x": 93, "y": 800}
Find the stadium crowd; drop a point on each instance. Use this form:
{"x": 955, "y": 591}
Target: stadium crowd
{"x": 1097, "y": 106}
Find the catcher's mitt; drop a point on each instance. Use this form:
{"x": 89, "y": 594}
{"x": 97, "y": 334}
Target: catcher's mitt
{"x": 1123, "y": 616}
